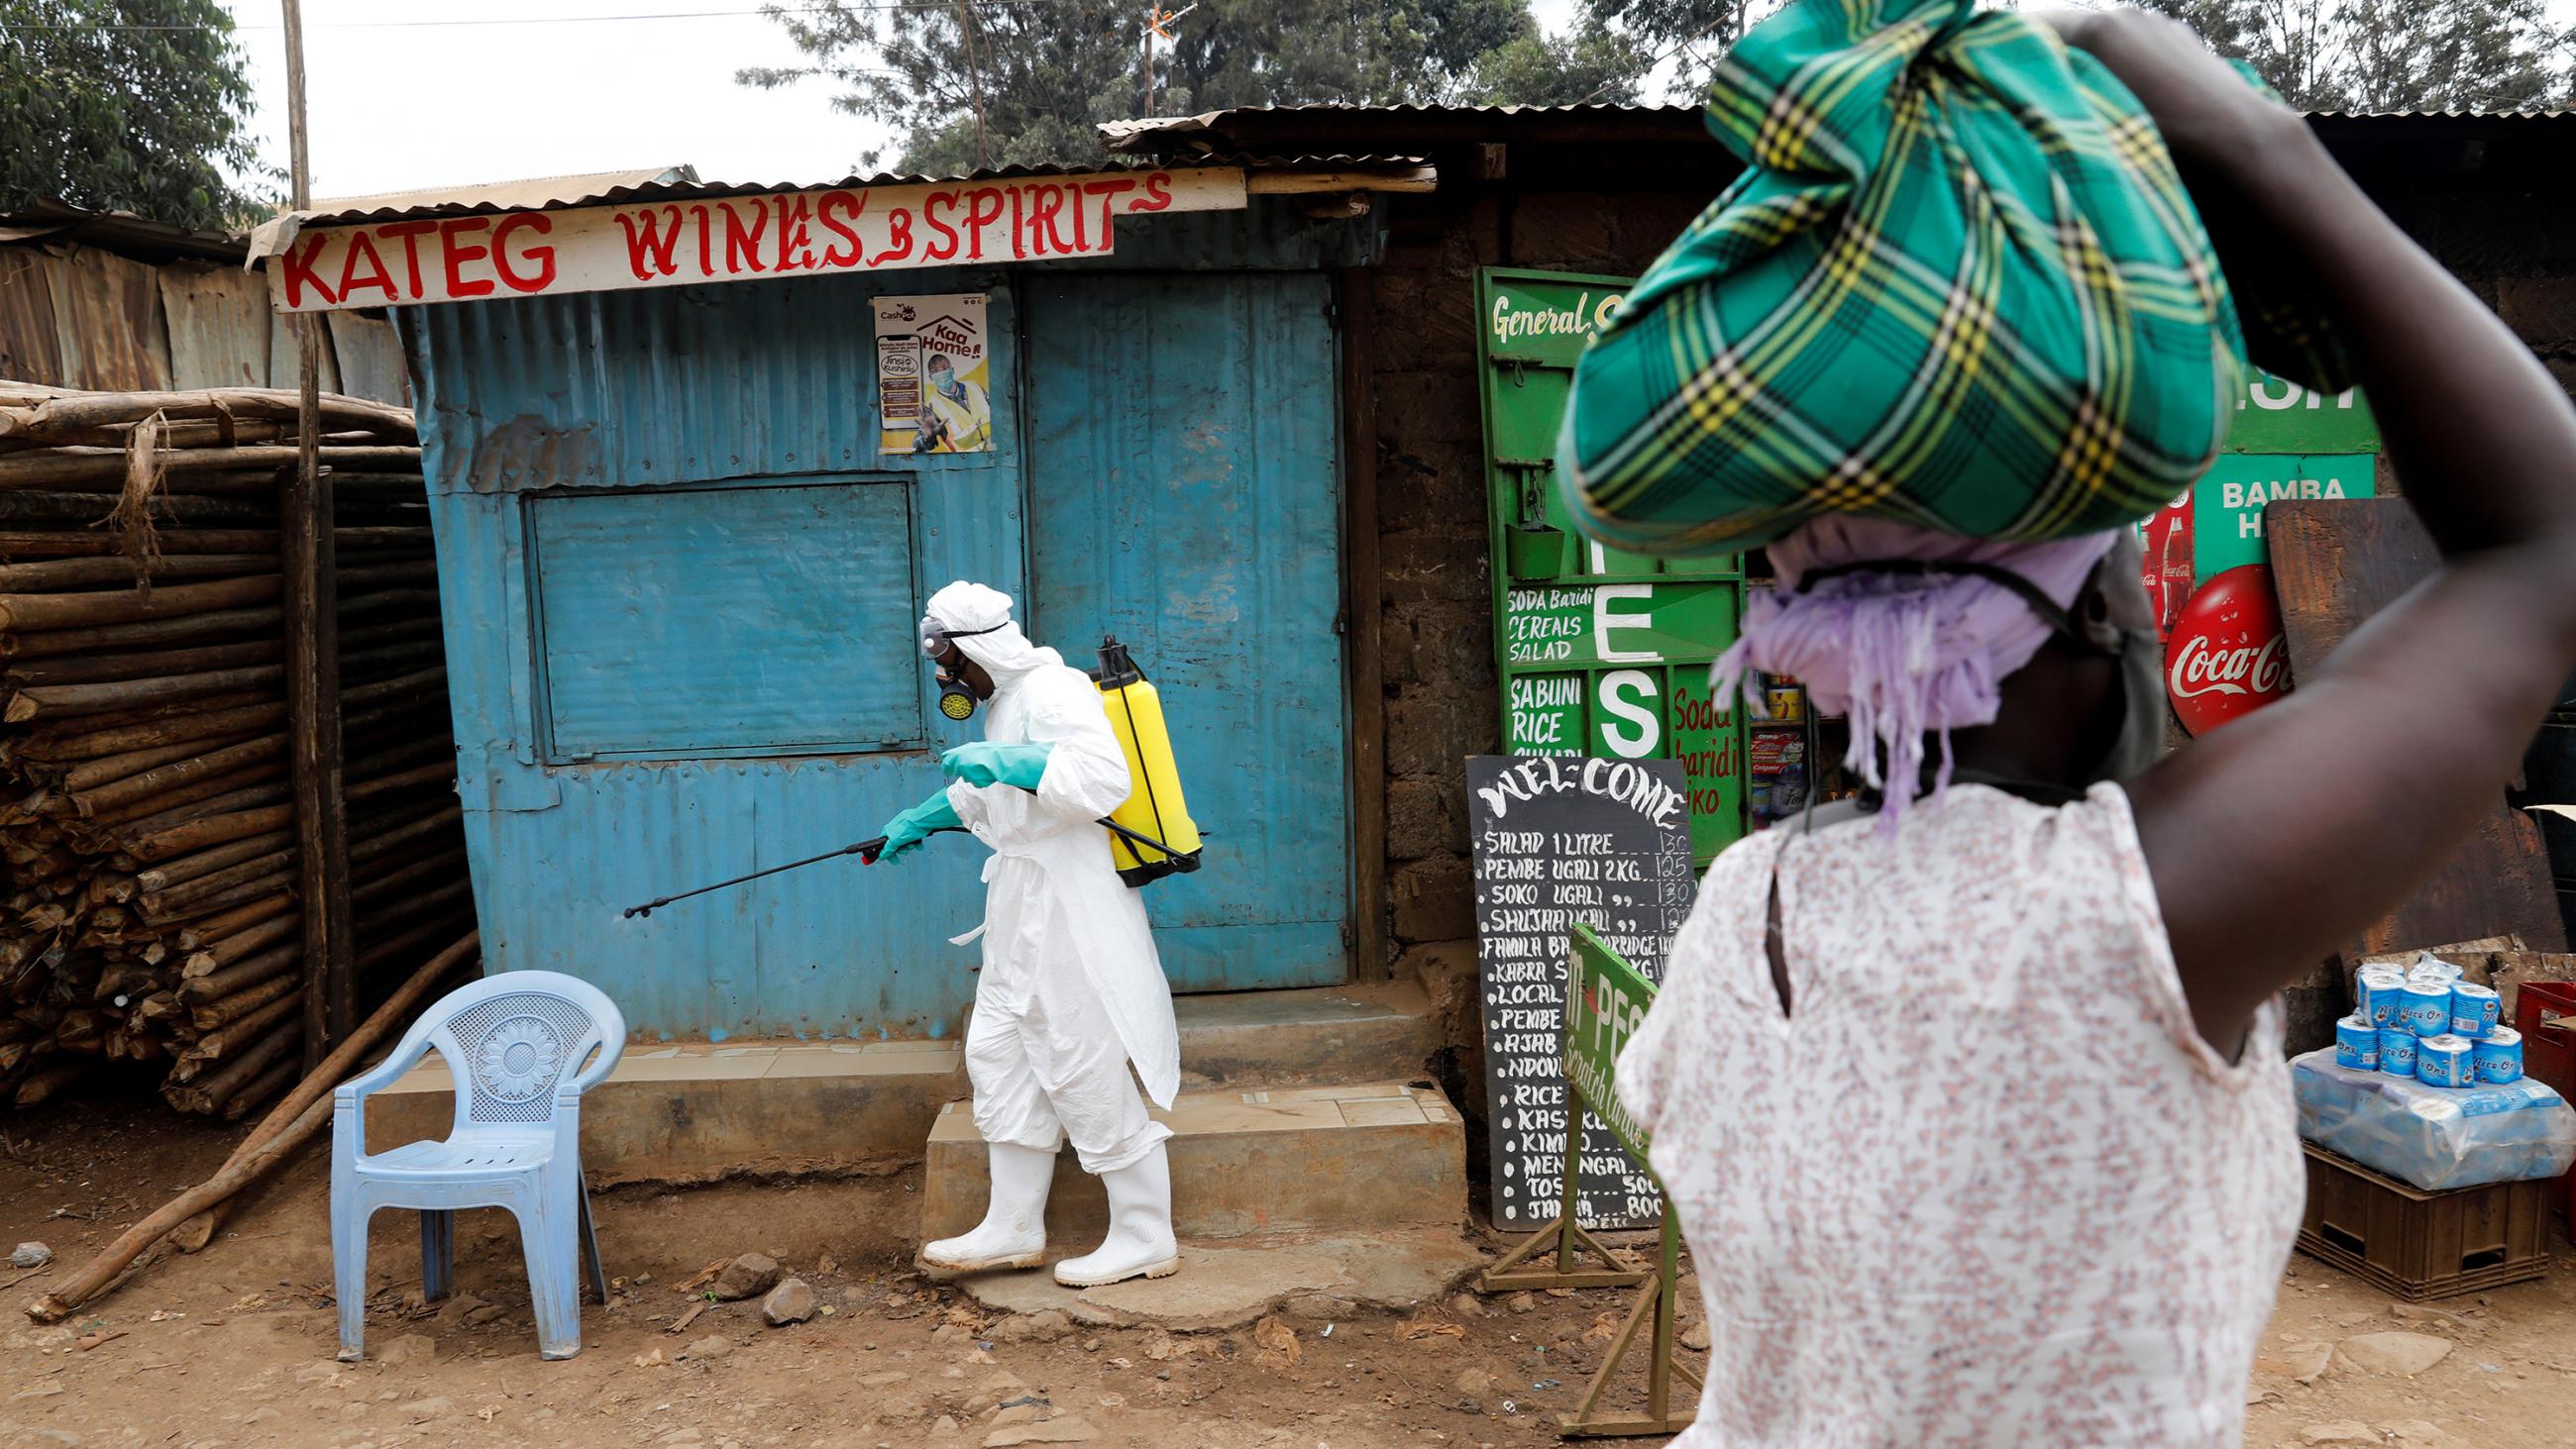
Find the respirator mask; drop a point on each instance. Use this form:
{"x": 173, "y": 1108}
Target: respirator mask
{"x": 956, "y": 701}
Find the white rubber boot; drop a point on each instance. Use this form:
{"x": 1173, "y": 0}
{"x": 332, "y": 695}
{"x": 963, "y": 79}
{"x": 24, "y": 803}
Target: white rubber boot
{"x": 1140, "y": 1228}
{"x": 1013, "y": 1233}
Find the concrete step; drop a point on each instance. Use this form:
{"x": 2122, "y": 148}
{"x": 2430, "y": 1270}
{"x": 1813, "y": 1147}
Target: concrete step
{"x": 1290, "y": 1159}
{"x": 682, "y": 1111}
{"x": 1319, "y": 1034}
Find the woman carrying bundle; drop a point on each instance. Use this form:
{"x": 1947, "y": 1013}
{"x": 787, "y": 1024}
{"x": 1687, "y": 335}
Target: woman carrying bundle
{"x": 1974, "y": 1108}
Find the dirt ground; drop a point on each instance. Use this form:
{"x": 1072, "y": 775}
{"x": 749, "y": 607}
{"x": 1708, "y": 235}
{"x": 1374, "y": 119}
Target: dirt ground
{"x": 236, "y": 1346}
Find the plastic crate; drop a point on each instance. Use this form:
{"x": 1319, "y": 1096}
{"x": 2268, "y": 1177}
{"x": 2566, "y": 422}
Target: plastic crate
{"x": 2416, "y": 1244}
{"x": 2546, "y": 1016}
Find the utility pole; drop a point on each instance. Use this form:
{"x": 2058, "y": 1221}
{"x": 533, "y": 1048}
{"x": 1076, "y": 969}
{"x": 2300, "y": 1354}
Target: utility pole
{"x": 1156, "y": 17}
{"x": 307, "y": 558}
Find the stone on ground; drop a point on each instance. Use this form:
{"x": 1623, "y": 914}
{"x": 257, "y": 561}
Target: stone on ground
{"x": 789, "y": 1302}
{"x": 2341, "y": 1432}
{"x": 1044, "y": 1326}
{"x": 714, "y": 1345}
{"x": 452, "y": 1313}
{"x": 1067, "y": 1430}
{"x": 1235, "y": 1283}
{"x": 1696, "y": 1336}
{"x": 30, "y": 1255}
{"x": 411, "y": 1348}
{"x": 1473, "y": 1383}
{"x": 2306, "y": 1362}
{"x": 2423, "y": 1434}
{"x": 2396, "y": 1353}
{"x": 745, "y": 1277}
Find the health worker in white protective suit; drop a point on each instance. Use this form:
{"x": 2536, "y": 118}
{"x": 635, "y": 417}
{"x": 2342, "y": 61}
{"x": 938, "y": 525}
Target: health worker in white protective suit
{"x": 1071, "y": 990}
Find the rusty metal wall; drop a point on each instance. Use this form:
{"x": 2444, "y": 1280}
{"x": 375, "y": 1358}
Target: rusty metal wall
{"x": 76, "y": 316}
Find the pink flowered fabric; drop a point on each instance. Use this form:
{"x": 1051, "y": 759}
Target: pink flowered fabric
{"x": 1986, "y": 1184}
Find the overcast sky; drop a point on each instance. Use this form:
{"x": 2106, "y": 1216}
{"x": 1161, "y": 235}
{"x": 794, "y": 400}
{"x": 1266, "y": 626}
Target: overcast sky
{"x": 412, "y": 94}
{"x": 407, "y": 106}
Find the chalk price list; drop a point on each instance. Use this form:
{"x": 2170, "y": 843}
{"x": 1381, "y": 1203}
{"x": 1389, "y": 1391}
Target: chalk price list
{"x": 1568, "y": 851}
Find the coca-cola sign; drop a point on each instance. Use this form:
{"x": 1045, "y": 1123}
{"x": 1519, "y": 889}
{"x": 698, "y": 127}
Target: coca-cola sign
{"x": 2166, "y": 562}
{"x": 2226, "y": 655}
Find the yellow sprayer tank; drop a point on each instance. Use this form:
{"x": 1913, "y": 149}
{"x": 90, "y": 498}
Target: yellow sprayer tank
{"x": 1154, "y": 807}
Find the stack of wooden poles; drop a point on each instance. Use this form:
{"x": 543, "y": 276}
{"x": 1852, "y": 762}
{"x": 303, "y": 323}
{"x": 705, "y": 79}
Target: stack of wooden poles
{"x": 148, "y": 915}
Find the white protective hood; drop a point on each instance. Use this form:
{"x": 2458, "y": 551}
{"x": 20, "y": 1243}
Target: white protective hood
{"x": 1053, "y": 900}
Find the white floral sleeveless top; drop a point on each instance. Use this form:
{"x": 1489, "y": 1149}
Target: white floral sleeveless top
{"x": 1984, "y": 1183}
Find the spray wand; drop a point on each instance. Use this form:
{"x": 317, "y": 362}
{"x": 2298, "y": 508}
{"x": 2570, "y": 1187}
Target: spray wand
{"x": 867, "y": 852}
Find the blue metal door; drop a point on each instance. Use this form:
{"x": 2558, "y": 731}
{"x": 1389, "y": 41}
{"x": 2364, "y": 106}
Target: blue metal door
{"x": 1184, "y": 482}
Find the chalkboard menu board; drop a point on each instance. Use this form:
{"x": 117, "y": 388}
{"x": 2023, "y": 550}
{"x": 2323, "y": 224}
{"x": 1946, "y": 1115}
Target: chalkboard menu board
{"x": 1561, "y": 841}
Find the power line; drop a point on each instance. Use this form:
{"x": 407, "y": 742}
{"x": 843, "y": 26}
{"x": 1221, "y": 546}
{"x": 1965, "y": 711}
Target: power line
{"x": 649, "y": 15}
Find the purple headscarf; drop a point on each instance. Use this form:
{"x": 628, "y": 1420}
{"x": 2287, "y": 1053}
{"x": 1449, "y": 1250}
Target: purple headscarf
{"x": 1903, "y": 655}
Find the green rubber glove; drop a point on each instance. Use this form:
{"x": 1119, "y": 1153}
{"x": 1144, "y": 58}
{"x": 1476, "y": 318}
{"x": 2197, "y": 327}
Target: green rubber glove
{"x": 907, "y": 830}
{"x": 986, "y": 763}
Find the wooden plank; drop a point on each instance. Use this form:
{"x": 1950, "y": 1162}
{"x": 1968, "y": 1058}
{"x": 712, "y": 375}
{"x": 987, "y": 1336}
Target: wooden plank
{"x": 558, "y": 251}
{"x": 1363, "y": 585}
{"x": 1373, "y": 178}
{"x": 2336, "y": 562}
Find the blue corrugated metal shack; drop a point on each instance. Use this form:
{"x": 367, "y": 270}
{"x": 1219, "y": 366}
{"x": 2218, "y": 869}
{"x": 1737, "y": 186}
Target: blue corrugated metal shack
{"x": 681, "y": 579}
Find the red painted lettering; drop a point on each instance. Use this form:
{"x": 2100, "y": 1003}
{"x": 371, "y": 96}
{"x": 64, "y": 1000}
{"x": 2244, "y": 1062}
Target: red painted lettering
{"x": 742, "y": 244}
{"x": 898, "y": 237}
{"x": 978, "y": 218}
{"x": 1019, "y": 224}
{"x": 706, "y": 242}
{"x": 1081, "y": 232}
{"x": 650, "y": 241}
{"x": 544, "y": 257}
{"x": 1158, "y": 192}
{"x": 931, "y": 206}
{"x": 1108, "y": 192}
{"x": 828, "y": 212}
{"x": 795, "y": 242}
{"x": 299, "y": 274}
{"x": 1045, "y": 203}
{"x": 375, "y": 279}
{"x": 410, "y": 233}
{"x": 451, "y": 244}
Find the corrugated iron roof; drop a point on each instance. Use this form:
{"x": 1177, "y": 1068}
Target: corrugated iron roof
{"x": 121, "y": 232}
{"x": 2549, "y": 114}
{"x": 1410, "y": 125}
{"x": 524, "y": 194}
{"x": 681, "y": 183}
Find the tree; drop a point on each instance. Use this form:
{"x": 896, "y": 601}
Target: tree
{"x": 1693, "y": 34}
{"x": 127, "y": 105}
{"x": 1591, "y": 65}
{"x": 2390, "y": 55}
{"x": 978, "y": 83}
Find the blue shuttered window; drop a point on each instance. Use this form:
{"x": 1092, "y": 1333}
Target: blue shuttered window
{"x": 768, "y": 619}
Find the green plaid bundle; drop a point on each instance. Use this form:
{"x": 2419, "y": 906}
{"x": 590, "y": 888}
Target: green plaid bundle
{"x": 1959, "y": 285}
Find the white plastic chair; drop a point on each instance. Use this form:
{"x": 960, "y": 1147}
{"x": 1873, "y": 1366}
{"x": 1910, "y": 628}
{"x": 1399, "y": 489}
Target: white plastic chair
{"x": 516, "y": 1044}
